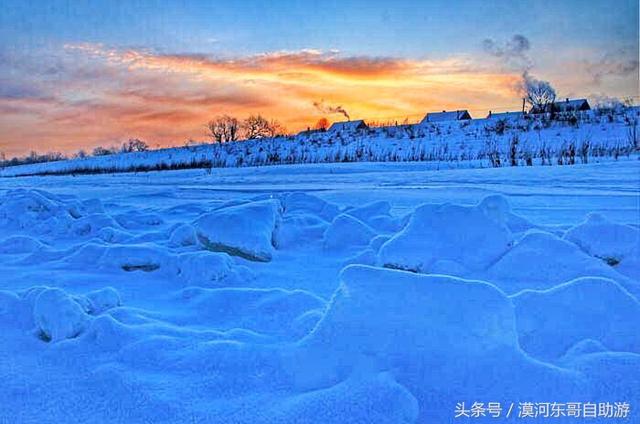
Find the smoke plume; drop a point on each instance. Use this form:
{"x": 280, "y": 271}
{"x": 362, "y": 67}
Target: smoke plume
{"x": 325, "y": 108}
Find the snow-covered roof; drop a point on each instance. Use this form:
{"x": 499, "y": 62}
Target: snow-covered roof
{"x": 348, "y": 126}
{"x": 309, "y": 132}
{"x": 571, "y": 105}
{"x": 567, "y": 105}
{"x": 454, "y": 115}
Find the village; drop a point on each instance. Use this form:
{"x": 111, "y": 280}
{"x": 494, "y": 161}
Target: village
{"x": 561, "y": 108}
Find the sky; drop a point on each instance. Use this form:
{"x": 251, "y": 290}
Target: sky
{"x": 76, "y": 74}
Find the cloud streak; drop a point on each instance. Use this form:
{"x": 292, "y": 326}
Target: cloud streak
{"x": 514, "y": 52}
{"x": 621, "y": 62}
{"x": 89, "y": 94}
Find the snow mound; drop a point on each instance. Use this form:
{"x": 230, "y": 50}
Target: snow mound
{"x": 140, "y": 257}
{"x": 296, "y": 203}
{"x": 20, "y": 245}
{"x": 610, "y": 375}
{"x": 424, "y": 328}
{"x": 102, "y": 300}
{"x": 52, "y": 313}
{"x": 93, "y": 206}
{"x": 377, "y": 242}
{"x": 460, "y": 315}
{"x": 630, "y": 265}
{"x": 551, "y": 321}
{"x": 275, "y": 312}
{"x": 366, "y": 212}
{"x": 57, "y": 316}
{"x": 199, "y": 267}
{"x": 112, "y": 235}
{"x": 371, "y": 399}
{"x": 599, "y": 237}
{"x": 91, "y": 225}
{"x": 377, "y": 215}
{"x": 13, "y": 311}
{"x": 205, "y": 268}
{"x": 299, "y": 229}
{"x": 498, "y": 208}
{"x": 541, "y": 260}
{"x": 346, "y": 231}
{"x": 37, "y": 212}
{"x": 583, "y": 347}
{"x": 366, "y": 257}
{"x": 183, "y": 235}
{"x": 134, "y": 220}
{"x": 109, "y": 334}
{"x": 471, "y": 236}
{"x": 245, "y": 230}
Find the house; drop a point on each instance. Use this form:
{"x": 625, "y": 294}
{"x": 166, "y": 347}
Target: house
{"x": 506, "y": 115}
{"x": 308, "y": 132}
{"x": 456, "y": 115}
{"x": 348, "y": 126}
{"x": 563, "y": 106}
{"x": 575, "y": 105}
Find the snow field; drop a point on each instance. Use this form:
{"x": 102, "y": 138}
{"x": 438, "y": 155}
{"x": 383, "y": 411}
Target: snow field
{"x": 142, "y": 314}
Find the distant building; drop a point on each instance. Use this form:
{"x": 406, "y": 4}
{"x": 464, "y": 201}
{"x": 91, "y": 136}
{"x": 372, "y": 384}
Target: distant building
{"x": 456, "y": 115}
{"x": 563, "y": 106}
{"x": 506, "y": 115}
{"x": 348, "y": 126}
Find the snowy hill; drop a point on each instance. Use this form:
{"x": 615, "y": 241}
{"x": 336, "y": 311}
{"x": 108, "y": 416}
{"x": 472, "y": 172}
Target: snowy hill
{"x": 588, "y": 136}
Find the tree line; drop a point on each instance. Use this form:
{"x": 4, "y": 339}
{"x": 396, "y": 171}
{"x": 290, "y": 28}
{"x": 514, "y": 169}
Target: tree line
{"x": 225, "y": 128}
{"x": 130, "y": 146}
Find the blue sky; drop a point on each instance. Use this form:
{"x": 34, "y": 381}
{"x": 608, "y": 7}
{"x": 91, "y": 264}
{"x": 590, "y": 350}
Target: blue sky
{"x": 84, "y": 73}
{"x": 400, "y": 28}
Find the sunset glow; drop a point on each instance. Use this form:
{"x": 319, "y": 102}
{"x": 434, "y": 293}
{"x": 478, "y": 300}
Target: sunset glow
{"x": 70, "y": 94}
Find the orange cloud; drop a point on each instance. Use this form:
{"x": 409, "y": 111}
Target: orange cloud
{"x": 104, "y": 95}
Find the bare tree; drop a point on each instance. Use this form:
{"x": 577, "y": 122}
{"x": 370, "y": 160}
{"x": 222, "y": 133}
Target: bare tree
{"x": 255, "y": 126}
{"x": 223, "y": 128}
{"x": 232, "y": 128}
{"x": 103, "y": 151}
{"x": 276, "y": 129}
{"x": 134, "y": 145}
{"x": 538, "y": 94}
{"x": 216, "y": 131}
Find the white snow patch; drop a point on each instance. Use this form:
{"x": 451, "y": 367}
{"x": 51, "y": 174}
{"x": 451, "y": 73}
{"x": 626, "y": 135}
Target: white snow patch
{"x": 474, "y": 237}
{"x": 299, "y": 229}
{"x": 606, "y": 240}
{"x": 245, "y": 230}
{"x": 302, "y": 203}
{"x": 57, "y": 316}
{"x": 183, "y": 235}
{"x": 541, "y": 260}
{"x": 346, "y": 232}
{"x": 20, "y": 245}
{"x": 102, "y": 300}
{"x": 551, "y": 321}
{"x": 206, "y": 268}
